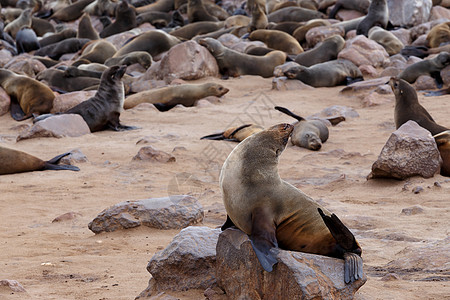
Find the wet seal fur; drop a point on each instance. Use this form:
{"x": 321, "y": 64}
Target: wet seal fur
{"x": 326, "y": 74}
{"x": 407, "y": 107}
{"x": 235, "y": 134}
{"x": 309, "y": 134}
{"x": 276, "y": 214}
{"x": 234, "y": 63}
{"x": 15, "y": 161}
{"x": 103, "y": 110}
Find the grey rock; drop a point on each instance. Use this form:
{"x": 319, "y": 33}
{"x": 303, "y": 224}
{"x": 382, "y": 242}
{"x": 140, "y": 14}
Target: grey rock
{"x": 362, "y": 51}
{"x": 285, "y": 84}
{"x": 57, "y": 126}
{"x": 396, "y": 61}
{"x": 424, "y": 82}
{"x": 417, "y": 189}
{"x": 364, "y": 87}
{"x": 148, "y": 153}
{"x": 337, "y": 111}
{"x": 25, "y": 65}
{"x": 407, "y": 13}
{"x": 14, "y": 285}
{"x": 413, "y": 210}
{"x": 174, "y": 212}
{"x": 188, "y": 262}
{"x": 390, "y": 72}
{"x": 445, "y": 74}
{"x": 296, "y": 275}
{"x": 409, "y": 151}
{"x": 5, "y": 102}
{"x": 439, "y": 12}
{"x": 75, "y": 156}
{"x": 404, "y": 35}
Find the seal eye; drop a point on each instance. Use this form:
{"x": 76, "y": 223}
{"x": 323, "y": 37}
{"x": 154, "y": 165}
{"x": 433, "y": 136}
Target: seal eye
{"x": 307, "y": 135}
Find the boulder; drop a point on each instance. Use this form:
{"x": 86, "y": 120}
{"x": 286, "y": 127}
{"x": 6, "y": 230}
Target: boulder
{"x": 64, "y": 102}
{"x": 407, "y": 13}
{"x": 439, "y": 12}
{"x": 5, "y": 102}
{"x": 57, "y": 126}
{"x": 148, "y": 153}
{"x": 318, "y": 34}
{"x": 362, "y": 51}
{"x": 285, "y": 84}
{"x": 174, "y": 212}
{"x": 295, "y": 276}
{"x": 409, "y": 151}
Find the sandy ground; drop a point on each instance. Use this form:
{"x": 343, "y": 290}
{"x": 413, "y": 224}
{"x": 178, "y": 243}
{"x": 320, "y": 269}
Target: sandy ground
{"x": 65, "y": 260}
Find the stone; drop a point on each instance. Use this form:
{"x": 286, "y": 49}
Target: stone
{"x": 243, "y": 46}
{"x": 121, "y": 38}
{"x": 404, "y": 35}
{"x": 337, "y": 111}
{"x": 417, "y": 189}
{"x": 144, "y": 85}
{"x": 5, "y": 57}
{"x": 5, "y": 102}
{"x": 368, "y": 71}
{"x": 23, "y": 64}
{"x": 295, "y": 276}
{"x": 174, "y": 212}
{"x": 423, "y": 28}
{"x": 397, "y": 61}
{"x": 409, "y": 151}
{"x": 66, "y": 217}
{"x": 347, "y": 14}
{"x": 285, "y": 84}
{"x": 439, "y": 12}
{"x": 14, "y": 285}
{"x": 374, "y": 99}
{"x": 408, "y": 13}
{"x": 64, "y": 102}
{"x": 420, "y": 41}
{"x": 445, "y": 74}
{"x": 57, "y": 126}
{"x": 424, "y": 82}
{"x": 148, "y": 153}
{"x": 413, "y": 210}
{"x": 391, "y": 72}
{"x": 188, "y": 262}
{"x": 200, "y": 64}
{"x": 363, "y": 88}
{"x": 75, "y": 156}
{"x": 362, "y": 51}
{"x": 390, "y": 277}
{"x": 318, "y": 34}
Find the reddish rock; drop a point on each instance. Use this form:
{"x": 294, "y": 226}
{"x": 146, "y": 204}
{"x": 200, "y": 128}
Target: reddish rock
{"x": 368, "y": 71}
{"x": 5, "y": 57}
{"x": 363, "y": 51}
{"x": 409, "y": 151}
{"x": 318, "y": 34}
{"x": 25, "y": 65}
{"x": 149, "y": 153}
{"x": 120, "y": 39}
{"x": 346, "y": 14}
{"x": 285, "y": 84}
{"x": 407, "y": 13}
{"x": 64, "y": 102}
{"x": 5, "y": 102}
{"x": 374, "y": 99}
{"x": 439, "y": 12}
{"x": 445, "y": 74}
{"x": 404, "y": 35}
{"x": 424, "y": 82}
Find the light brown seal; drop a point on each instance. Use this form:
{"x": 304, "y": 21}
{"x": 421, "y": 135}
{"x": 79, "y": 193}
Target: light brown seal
{"x": 71, "y": 12}
{"x": 233, "y": 63}
{"x": 274, "y": 213}
{"x": 28, "y": 96}
{"x": 168, "y": 97}
{"x": 438, "y": 35}
{"x": 202, "y": 27}
{"x": 407, "y": 107}
{"x": 386, "y": 39}
{"x": 23, "y": 20}
{"x": 235, "y": 134}
{"x": 294, "y": 14}
{"x": 278, "y": 40}
{"x": 98, "y": 51}
{"x": 443, "y": 142}
{"x": 259, "y": 15}
{"x": 15, "y": 161}
{"x": 326, "y": 74}
{"x": 136, "y": 57}
{"x": 309, "y": 134}
{"x": 378, "y": 15}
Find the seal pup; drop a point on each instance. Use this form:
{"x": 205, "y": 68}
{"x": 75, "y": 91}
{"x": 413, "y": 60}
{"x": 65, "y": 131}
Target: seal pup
{"x": 23, "y": 20}
{"x": 443, "y": 142}
{"x": 309, "y": 134}
{"x": 58, "y": 37}
{"x": 407, "y": 107}
{"x": 234, "y": 63}
{"x": 26, "y": 40}
{"x": 274, "y": 213}
{"x": 235, "y": 134}
{"x": 103, "y": 110}
{"x": 378, "y": 15}
{"x": 431, "y": 67}
{"x": 28, "y": 96}
{"x": 15, "y": 161}
{"x": 326, "y": 74}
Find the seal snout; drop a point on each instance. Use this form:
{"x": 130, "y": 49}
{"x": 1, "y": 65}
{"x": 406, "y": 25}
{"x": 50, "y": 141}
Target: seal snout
{"x": 315, "y": 144}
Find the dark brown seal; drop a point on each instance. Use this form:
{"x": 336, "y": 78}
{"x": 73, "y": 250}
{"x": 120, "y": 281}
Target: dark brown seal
{"x": 15, "y": 161}
{"x": 85, "y": 29}
{"x": 125, "y": 20}
{"x": 378, "y": 15}
{"x": 327, "y": 50}
{"x": 274, "y": 213}
{"x": 407, "y": 107}
{"x": 235, "y": 134}
{"x": 196, "y": 12}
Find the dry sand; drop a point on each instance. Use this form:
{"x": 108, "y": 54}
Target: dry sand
{"x": 65, "y": 260}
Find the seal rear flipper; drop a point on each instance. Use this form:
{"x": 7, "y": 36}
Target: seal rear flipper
{"x": 289, "y": 113}
{"x": 121, "y": 127}
{"x": 353, "y": 267}
{"x": 418, "y": 51}
{"x": 263, "y": 238}
{"x": 163, "y": 107}
{"x": 49, "y": 166}
{"x": 228, "y": 223}
{"x": 437, "y": 77}
{"x": 215, "y": 137}
{"x": 17, "y": 112}
{"x": 339, "y": 231}
{"x": 437, "y": 93}
{"x": 336, "y": 120}
{"x": 349, "y": 80}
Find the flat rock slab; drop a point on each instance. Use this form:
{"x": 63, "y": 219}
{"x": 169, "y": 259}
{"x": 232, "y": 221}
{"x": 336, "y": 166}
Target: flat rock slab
{"x": 296, "y": 275}
{"x": 57, "y": 126}
{"x": 188, "y": 262}
{"x": 174, "y": 212}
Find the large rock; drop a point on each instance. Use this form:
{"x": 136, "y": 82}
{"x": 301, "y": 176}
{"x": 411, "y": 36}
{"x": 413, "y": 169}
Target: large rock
{"x": 174, "y": 212}
{"x": 407, "y": 13}
{"x": 57, "y": 126}
{"x": 296, "y": 275}
{"x": 318, "y": 34}
{"x": 362, "y": 51}
{"x": 64, "y": 102}
{"x": 439, "y": 12}
{"x": 200, "y": 63}
{"x": 25, "y": 65}
{"x": 285, "y": 84}
{"x": 188, "y": 262}
{"x": 409, "y": 151}
{"x": 5, "y": 102}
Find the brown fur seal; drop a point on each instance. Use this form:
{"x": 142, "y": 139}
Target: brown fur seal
{"x": 168, "y": 97}
{"x": 386, "y": 39}
{"x": 28, "y": 96}
{"x": 235, "y": 134}
{"x": 190, "y": 30}
{"x": 439, "y": 34}
{"x": 358, "y": 5}
{"x": 274, "y": 213}
{"x": 14, "y": 161}
{"x": 71, "y": 12}
{"x": 98, "y": 51}
{"x": 85, "y": 29}
{"x": 160, "y": 5}
{"x": 23, "y": 20}
{"x": 155, "y": 18}
{"x": 196, "y": 12}
{"x": 309, "y": 134}
{"x": 233, "y": 63}
{"x": 101, "y": 8}
{"x": 103, "y": 110}
{"x": 41, "y": 26}
{"x": 59, "y": 80}
{"x": 330, "y": 73}
{"x": 278, "y": 40}
{"x": 26, "y": 40}
{"x": 288, "y": 27}
{"x": 294, "y": 14}
{"x": 58, "y": 37}
{"x": 300, "y": 33}
{"x": 327, "y": 50}
{"x": 431, "y": 67}
{"x": 407, "y": 107}
{"x": 125, "y": 20}
{"x": 55, "y": 51}
{"x": 443, "y": 142}
{"x": 258, "y": 12}
{"x": 136, "y": 57}
{"x": 154, "y": 42}
{"x": 378, "y": 15}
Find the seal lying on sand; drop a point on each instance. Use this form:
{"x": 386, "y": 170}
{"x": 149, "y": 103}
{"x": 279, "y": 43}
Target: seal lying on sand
{"x": 274, "y": 213}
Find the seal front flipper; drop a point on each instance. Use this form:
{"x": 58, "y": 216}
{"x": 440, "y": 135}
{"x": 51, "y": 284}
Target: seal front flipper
{"x": 17, "y": 112}
{"x": 263, "y": 237}
{"x": 353, "y": 267}
{"x": 228, "y": 223}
